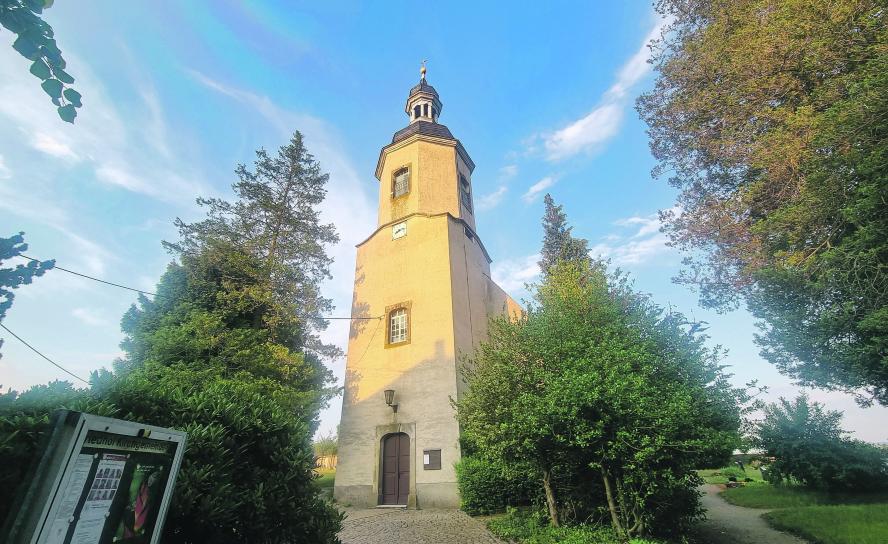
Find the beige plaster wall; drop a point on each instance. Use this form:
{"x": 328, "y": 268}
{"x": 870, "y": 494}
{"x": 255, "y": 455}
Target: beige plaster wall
{"x": 434, "y": 164}
{"x": 413, "y": 269}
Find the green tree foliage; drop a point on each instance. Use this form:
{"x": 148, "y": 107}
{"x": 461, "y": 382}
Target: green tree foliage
{"x": 326, "y": 446}
{"x": 275, "y": 221}
{"x": 222, "y": 352}
{"x": 811, "y": 448}
{"x": 771, "y": 118}
{"x": 36, "y": 43}
{"x": 558, "y": 242}
{"x": 599, "y": 386}
{"x": 12, "y": 278}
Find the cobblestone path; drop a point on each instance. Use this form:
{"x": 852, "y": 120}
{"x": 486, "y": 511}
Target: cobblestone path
{"x": 387, "y": 525}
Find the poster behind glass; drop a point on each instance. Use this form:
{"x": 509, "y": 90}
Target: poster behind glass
{"x": 115, "y": 491}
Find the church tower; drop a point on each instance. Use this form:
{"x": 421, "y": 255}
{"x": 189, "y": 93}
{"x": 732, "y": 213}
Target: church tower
{"x": 424, "y": 293}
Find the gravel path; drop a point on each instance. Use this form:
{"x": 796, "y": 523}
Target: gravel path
{"x": 729, "y": 524}
{"x": 388, "y": 525}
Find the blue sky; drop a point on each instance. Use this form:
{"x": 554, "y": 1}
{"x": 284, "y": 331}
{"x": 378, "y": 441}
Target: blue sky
{"x": 177, "y": 93}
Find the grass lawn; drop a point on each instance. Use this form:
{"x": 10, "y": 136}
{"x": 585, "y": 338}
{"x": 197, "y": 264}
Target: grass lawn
{"x": 841, "y": 524}
{"x": 326, "y": 476}
{"x": 765, "y": 495}
{"x": 821, "y": 517}
{"x": 720, "y": 475}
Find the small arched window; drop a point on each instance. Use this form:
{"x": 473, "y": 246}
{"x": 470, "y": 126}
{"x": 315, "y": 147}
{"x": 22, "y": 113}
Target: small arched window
{"x": 401, "y": 182}
{"x": 398, "y": 326}
{"x": 416, "y": 112}
{"x": 425, "y": 110}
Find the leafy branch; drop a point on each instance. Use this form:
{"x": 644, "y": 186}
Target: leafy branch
{"x": 36, "y": 43}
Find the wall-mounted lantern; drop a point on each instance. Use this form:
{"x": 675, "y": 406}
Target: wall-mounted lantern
{"x": 390, "y": 398}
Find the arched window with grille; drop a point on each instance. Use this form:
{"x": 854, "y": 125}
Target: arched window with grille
{"x": 398, "y": 326}
{"x": 401, "y": 182}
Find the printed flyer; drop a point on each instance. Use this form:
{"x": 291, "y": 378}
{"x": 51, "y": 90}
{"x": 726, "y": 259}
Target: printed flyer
{"x": 114, "y": 492}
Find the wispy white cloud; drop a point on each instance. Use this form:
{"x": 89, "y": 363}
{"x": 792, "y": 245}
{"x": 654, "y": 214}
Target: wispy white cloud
{"x": 124, "y": 150}
{"x": 156, "y": 131}
{"x": 646, "y": 225}
{"x": 90, "y": 316}
{"x": 120, "y": 177}
{"x": 636, "y": 67}
{"x": 599, "y": 126}
{"x": 512, "y": 274}
{"x": 508, "y": 172}
{"x": 5, "y": 172}
{"x": 534, "y": 191}
{"x": 52, "y": 146}
{"x": 632, "y": 251}
{"x": 591, "y": 131}
{"x": 491, "y": 200}
{"x": 642, "y": 243}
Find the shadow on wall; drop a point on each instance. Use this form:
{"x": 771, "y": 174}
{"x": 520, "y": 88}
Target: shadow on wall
{"x": 438, "y": 373}
{"x": 359, "y": 309}
{"x": 424, "y": 391}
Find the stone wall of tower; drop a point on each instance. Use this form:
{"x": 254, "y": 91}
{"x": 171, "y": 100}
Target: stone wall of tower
{"x": 434, "y": 172}
{"x": 414, "y": 269}
{"x": 440, "y": 272}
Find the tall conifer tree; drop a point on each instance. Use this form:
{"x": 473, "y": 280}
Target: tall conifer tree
{"x": 558, "y": 242}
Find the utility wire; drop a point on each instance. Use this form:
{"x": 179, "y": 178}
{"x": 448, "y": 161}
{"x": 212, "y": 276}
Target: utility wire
{"x": 92, "y": 278}
{"x": 35, "y": 350}
{"x": 161, "y": 296}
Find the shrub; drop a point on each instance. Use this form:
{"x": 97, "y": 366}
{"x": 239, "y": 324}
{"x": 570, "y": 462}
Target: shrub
{"x": 531, "y": 527}
{"x": 810, "y": 448}
{"x": 733, "y": 472}
{"x": 248, "y": 460}
{"x": 326, "y": 446}
{"x": 596, "y": 384}
{"x": 24, "y": 418}
{"x": 486, "y": 487}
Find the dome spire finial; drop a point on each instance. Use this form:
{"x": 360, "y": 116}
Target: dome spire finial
{"x": 423, "y": 103}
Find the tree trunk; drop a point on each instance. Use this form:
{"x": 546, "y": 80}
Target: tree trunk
{"x": 611, "y": 504}
{"x": 550, "y": 498}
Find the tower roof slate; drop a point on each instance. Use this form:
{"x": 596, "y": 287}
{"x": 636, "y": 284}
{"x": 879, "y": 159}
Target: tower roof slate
{"x": 423, "y": 127}
{"x": 423, "y": 86}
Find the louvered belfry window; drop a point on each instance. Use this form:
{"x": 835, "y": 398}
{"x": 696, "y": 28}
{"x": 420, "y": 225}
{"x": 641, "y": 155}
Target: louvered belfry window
{"x": 398, "y": 326}
{"x": 464, "y": 193}
{"x": 401, "y": 183}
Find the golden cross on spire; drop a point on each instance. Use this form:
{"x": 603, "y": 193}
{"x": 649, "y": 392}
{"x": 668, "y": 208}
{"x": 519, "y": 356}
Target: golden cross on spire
{"x": 422, "y": 71}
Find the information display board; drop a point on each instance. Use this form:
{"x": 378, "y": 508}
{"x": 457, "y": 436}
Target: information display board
{"x": 100, "y": 481}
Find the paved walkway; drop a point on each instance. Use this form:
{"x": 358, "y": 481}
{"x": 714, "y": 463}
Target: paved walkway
{"x": 387, "y": 525}
{"x": 725, "y": 524}
{"x": 729, "y": 524}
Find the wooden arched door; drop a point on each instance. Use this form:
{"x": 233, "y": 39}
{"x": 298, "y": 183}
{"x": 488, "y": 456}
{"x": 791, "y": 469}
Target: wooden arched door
{"x": 395, "y": 469}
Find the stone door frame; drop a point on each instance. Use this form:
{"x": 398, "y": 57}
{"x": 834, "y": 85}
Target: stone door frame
{"x": 381, "y": 432}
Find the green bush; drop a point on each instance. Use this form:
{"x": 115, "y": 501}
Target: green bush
{"x": 486, "y": 487}
{"x": 735, "y": 472}
{"x": 24, "y": 419}
{"x": 531, "y": 527}
{"x": 248, "y": 462}
{"x": 810, "y": 448}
